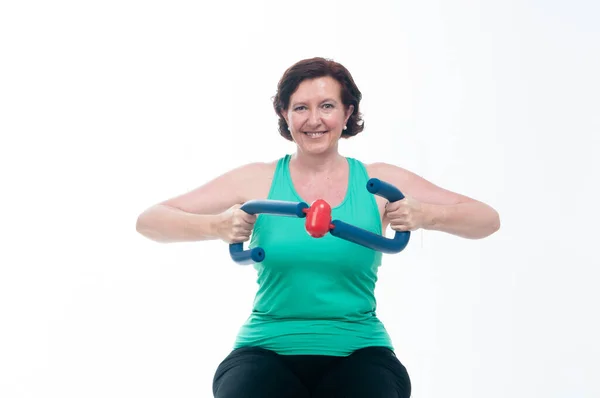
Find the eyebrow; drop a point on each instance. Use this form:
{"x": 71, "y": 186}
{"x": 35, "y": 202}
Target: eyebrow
{"x": 325, "y": 100}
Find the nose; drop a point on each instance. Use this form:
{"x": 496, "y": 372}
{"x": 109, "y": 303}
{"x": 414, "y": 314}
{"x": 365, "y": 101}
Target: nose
{"x": 314, "y": 118}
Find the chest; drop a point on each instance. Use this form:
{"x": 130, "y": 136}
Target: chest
{"x": 332, "y": 188}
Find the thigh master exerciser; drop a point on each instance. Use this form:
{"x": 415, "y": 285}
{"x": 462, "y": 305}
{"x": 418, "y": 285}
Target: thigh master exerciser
{"x": 318, "y": 223}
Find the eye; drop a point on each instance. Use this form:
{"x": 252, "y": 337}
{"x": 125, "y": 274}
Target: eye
{"x": 300, "y": 108}
{"x": 328, "y": 106}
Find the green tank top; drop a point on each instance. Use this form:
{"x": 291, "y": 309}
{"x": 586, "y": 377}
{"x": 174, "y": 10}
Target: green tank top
{"x": 315, "y": 295}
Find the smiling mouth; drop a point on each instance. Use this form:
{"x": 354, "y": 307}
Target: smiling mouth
{"x": 315, "y": 134}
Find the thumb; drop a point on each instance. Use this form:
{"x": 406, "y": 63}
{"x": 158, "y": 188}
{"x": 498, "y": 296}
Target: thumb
{"x": 393, "y": 206}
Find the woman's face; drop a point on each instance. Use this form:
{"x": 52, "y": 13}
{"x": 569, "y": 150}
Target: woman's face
{"x": 316, "y": 115}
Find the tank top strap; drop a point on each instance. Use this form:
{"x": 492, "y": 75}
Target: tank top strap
{"x": 357, "y": 181}
{"x": 281, "y": 187}
{"x": 358, "y": 198}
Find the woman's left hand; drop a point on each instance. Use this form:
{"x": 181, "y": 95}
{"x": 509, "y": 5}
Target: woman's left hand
{"x": 407, "y": 214}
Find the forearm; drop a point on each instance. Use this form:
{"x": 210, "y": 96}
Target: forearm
{"x": 472, "y": 220}
{"x": 165, "y": 224}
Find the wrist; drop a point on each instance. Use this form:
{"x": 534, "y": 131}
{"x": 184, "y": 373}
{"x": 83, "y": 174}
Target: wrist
{"x": 214, "y": 225}
{"x": 434, "y": 214}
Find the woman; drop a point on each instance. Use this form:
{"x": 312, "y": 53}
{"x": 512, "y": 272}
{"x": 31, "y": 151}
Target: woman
{"x": 313, "y": 330}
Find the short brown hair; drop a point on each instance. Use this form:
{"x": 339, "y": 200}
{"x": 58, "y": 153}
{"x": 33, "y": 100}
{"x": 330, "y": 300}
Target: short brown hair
{"x": 310, "y": 69}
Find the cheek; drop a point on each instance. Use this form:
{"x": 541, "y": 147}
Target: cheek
{"x": 334, "y": 120}
{"x": 328, "y": 118}
{"x": 296, "y": 121}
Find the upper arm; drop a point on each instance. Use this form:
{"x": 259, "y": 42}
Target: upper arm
{"x": 415, "y": 186}
{"x": 219, "y": 194}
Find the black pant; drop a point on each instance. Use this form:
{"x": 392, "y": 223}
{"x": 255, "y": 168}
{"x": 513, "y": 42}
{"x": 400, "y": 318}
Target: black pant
{"x": 252, "y": 372}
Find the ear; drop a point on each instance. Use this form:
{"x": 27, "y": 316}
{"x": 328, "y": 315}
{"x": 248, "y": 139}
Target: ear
{"x": 284, "y": 115}
{"x": 349, "y": 112}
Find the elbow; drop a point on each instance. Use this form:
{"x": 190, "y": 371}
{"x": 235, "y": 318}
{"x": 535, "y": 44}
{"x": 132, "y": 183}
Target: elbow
{"x": 149, "y": 224}
{"x": 487, "y": 226}
{"x": 143, "y": 226}
{"x": 494, "y": 224}
{"x": 497, "y": 223}
{"x": 139, "y": 224}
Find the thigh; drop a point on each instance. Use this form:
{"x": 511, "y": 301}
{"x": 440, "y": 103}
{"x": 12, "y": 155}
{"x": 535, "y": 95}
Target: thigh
{"x": 254, "y": 372}
{"x": 373, "y": 372}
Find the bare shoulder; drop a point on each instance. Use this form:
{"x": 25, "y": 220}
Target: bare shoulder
{"x": 413, "y": 185}
{"x": 402, "y": 178}
{"x": 252, "y": 171}
{"x": 388, "y": 172}
{"x": 256, "y": 178}
{"x": 235, "y": 186}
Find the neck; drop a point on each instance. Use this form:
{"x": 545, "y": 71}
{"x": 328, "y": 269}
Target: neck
{"x": 317, "y": 163}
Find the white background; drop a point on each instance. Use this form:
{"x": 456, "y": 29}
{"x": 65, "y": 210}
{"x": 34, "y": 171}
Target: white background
{"x": 109, "y": 107}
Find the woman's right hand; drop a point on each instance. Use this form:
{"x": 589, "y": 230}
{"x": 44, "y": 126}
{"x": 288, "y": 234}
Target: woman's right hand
{"x": 235, "y": 225}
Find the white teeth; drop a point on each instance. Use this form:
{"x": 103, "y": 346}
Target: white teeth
{"x": 314, "y": 135}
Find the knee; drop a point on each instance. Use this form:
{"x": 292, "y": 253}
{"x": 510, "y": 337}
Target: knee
{"x": 254, "y": 372}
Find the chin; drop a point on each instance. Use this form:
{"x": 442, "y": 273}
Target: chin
{"x": 317, "y": 149}
{"x": 317, "y": 146}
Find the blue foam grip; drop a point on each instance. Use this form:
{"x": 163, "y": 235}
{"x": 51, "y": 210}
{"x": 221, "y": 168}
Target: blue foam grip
{"x": 393, "y": 194}
{"x": 368, "y": 239}
{"x": 245, "y": 257}
{"x": 274, "y": 207}
{"x": 384, "y": 189}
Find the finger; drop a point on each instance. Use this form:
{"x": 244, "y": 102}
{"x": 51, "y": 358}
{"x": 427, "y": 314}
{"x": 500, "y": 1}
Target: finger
{"x": 244, "y": 232}
{"x": 244, "y": 237}
{"x": 243, "y": 229}
{"x": 393, "y": 206}
{"x": 249, "y": 218}
{"x": 401, "y": 225}
{"x": 240, "y": 217}
{"x": 396, "y": 208}
{"x": 245, "y": 224}
{"x": 245, "y": 216}
{"x": 400, "y": 228}
{"x": 239, "y": 238}
{"x": 399, "y": 217}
